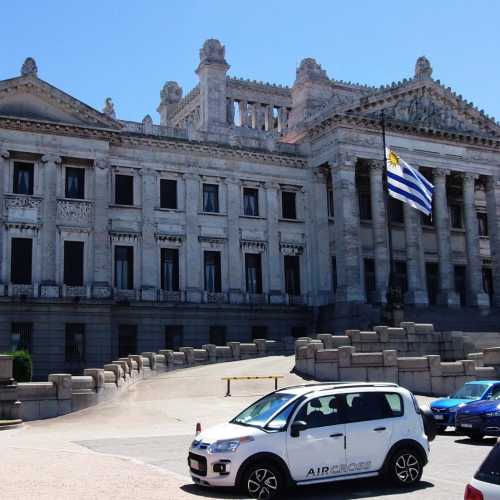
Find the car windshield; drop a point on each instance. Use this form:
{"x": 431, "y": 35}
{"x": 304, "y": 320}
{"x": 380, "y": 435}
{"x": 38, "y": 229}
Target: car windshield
{"x": 260, "y": 412}
{"x": 470, "y": 391}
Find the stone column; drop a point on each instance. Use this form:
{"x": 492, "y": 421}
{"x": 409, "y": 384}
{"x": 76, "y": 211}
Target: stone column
{"x": 243, "y": 113}
{"x": 274, "y": 257}
{"x": 415, "y": 264}
{"x": 49, "y": 287}
{"x": 347, "y": 230}
{"x": 493, "y": 206}
{"x": 193, "y": 249}
{"x": 447, "y": 295}
{"x": 150, "y": 255}
{"x": 233, "y": 236}
{"x": 379, "y": 225}
{"x": 475, "y": 292}
{"x": 4, "y": 166}
{"x": 103, "y": 260}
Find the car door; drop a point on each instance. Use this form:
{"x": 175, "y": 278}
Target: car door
{"x": 319, "y": 451}
{"x": 370, "y": 420}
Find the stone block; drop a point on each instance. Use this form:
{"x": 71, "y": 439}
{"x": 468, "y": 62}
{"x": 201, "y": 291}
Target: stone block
{"x": 354, "y": 335}
{"x": 326, "y": 371}
{"x": 491, "y": 356}
{"x": 477, "y": 357}
{"x": 149, "y": 294}
{"x": 408, "y": 327}
{"x": 382, "y": 374}
{"x": 396, "y": 333}
{"x": 261, "y": 346}
{"x": 188, "y": 354}
{"x": 109, "y": 377}
{"x": 327, "y": 339}
{"x": 168, "y": 356}
{"x": 117, "y": 370}
{"x": 418, "y": 382}
{"x": 6, "y": 363}
{"x": 82, "y": 384}
{"x": 50, "y": 291}
{"x": 212, "y": 351}
{"x": 129, "y": 364}
{"x": 485, "y": 373}
{"x": 124, "y": 365}
{"x": 434, "y": 364}
{"x": 340, "y": 341}
{"x": 368, "y": 337}
{"x": 390, "y": 357}
{"x": 327, "y": 355}
{"x": 413, "y": 363}
{"x": 151, "y": 357}
{"x": 452, "y": 368}
{"x": 200, "y": 355}
{"x": 62, "y": 381}
{"x": 139, "y": 361}
{"x": 98, "y": 375}
{"x": 31, "y": 391}
{"x": 223, "y": 352}
{"x": 351, "y": 374}
{"x": 424, "y": 328}
{"x": 383, "y": 334}
{"x": 248, "y": 350}
{"x": 345, "y": 355}
{"x": 235, "y": 349}
{"x": 178, "y": 358}
{"x": 367, "y": 359}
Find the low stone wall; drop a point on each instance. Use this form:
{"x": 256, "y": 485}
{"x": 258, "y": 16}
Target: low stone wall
{"x": 325, "y": 358}
{"x": 64, "y": 393}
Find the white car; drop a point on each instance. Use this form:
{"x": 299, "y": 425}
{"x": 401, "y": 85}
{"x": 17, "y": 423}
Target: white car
{"x": 312, "y": 434}
{"x": 486, "y": 482}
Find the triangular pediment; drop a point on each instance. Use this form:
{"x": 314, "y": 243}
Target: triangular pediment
{"x": 33, "y": 99}
{"x": 425, "y": 104}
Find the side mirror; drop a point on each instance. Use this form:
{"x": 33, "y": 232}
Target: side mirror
{"x": 297, "y": 427}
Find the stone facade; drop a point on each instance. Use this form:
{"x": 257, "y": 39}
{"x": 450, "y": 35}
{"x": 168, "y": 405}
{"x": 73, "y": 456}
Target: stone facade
{"x": 279, "y": 208}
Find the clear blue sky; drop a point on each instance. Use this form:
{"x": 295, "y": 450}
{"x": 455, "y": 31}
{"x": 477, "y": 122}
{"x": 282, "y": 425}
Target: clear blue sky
{"x": 127, "y": 50}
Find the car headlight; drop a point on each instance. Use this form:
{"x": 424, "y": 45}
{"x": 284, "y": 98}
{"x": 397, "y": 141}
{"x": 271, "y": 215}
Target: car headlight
{"x": 493, "y": 414}
{"x": 228, "y": 445}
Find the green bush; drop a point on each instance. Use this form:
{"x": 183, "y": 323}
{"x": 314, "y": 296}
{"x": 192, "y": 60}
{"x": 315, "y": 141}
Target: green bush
{"x": 22, "y": 366}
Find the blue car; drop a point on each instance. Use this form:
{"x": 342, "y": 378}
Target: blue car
{"x": 444, "y": 410}
{"x": 481, "y": 418}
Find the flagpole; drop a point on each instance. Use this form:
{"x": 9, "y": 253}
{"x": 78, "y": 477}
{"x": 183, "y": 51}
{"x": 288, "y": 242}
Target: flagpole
{"x": 393, "y": 294}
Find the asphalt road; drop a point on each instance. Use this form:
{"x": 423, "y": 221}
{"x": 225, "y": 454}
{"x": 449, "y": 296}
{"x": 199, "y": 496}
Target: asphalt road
{"x": 139, "y": 444}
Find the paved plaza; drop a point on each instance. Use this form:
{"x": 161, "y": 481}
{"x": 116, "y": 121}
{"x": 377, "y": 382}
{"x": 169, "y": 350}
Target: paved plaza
{"x": 136, "y": 446}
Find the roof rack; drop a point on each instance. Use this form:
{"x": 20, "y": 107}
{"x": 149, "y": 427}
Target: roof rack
{"x": 340, "y": 384}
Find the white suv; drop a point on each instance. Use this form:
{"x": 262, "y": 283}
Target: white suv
{"x": 315, "y": 433}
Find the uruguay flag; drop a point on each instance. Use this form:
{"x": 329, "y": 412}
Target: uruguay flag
{"x": 407, "y": 184}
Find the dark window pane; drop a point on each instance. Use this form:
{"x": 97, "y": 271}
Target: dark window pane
{"x": 488, "y": 281}
{"x": 21, "y": 261}
{"x": 298, "y": 331}
{"x": 170, "y": 269}
{"x": 289, "y": 208}
{"x": 210, "y": 198}
{"x": 400, "y": 276}
{"x": 251, "y": 202}
{"x": 174, "y": 336}
{"x": 75, "y": 183}
{"x": 370, "y": 283}
{"x": 21, "y": 337}
{"x": 322, "y": 412}
{"x": 168, "y": 193}
{"x": 292, "y": 274}
{"x": 482, "y": 220}
{"x": 432, "y": 275}
{"x": 259, "y": 332}
{"x": 124, "y": 267}
{"x": 212, "y": 272}
{"x": 124, "y": 189}
{"x": 460, "y": 281}
{"x": 365, "y": 207}
{"x": 73, "y": 263}
{"x": 75, "y": 343}
{"x": 23, "y": 178}
{"x": 127, "y": 340}
{"x": 396, "y": 210}
{"x": 217, "y": 335}
{"x": 426, "y": 220}
{"x": 456, "y": 216}
{"x": 331, "y": 209}
{"x": 253, "y": 273}
{"x": 371, "y": 406}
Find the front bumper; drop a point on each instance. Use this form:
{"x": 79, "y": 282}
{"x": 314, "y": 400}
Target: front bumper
{"x": 212, "y": 470}
{"x": 480, "y": 424}
{"x": 443, "y": 417}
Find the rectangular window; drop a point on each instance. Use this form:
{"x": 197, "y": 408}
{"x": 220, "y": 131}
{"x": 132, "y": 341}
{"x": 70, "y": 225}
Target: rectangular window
{"x": 212, "y": 272}
{"x": 210, "y": 198}
{"x": 251, "y": 201}
{"x": 288, "y": 205}
{"x": 370, "y": 283}
{"x": 21, "y": 261}
{"x": 298, "y": 331}
{"x": 124, "y": 267}
{"x": 400, "y": 275}
{"x": 127, "y": 340}
{"x": 75, "y": 343}
{"x": 259, "y": 332}
{"x": 365, "y": 205}
{"x": 124, "y": 189}
{"x": 482, "y": 219}
{"x": 456, "y": 216}
{"x": 75, "y": 183}
{"x": 488, "y": 281}
{"x": 396, "y": 210}
{"x": 334, "y": 274}
{"x": 426, "y": 220}
{"x": 174, "y": 336}
{"x": 331, "y": 207}
{"x": 253, "y": 272}
{"x": 23, "y": 178}
{"x": 20, "y": 337}
{"x": 364, "y": 406}
{"x": 432, "y": 276}
{"x": 217, "y": 335}
{"x": 73, "y": 263}
{"x": 460, "y": 283}
{"x": 170, "y": 269}
{"x": 292, "y": 274}
{"x": 168, "y": 193}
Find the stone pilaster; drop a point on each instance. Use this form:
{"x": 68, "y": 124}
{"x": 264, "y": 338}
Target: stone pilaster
{"x": 447, "y": 295}
{"x": 275, "y": 269}
{"x": 415, "y": 264}
{"x": 49, "y": 287}
{"x": 193, "y": 250}
{"x": 347, "y": 230}
{"x": 233, "y": 236}
{"x": 243, "y": 108}
{"x": 475, "y": 292}
{"x": 150, "y": 254}
{"x": 103, "y": 260}
{"x": 379, "y": 225}
{"x": 493, "y": 206}
{"x": 4, "y": 167}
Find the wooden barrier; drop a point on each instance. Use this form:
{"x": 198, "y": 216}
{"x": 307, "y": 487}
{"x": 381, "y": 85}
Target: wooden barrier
{"x": 256, "y": 377}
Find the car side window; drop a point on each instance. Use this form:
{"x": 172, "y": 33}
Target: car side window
{"x": 322, "y": 412}
{"x": 495, "y": 392}
{"x": 363, "y": 406}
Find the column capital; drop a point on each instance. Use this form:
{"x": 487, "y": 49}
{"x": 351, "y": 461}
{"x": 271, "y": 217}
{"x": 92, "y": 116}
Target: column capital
{"x": 232, "y": 180}
{"x": 271, "y": 186}
{"x": 469, "y": 176}
{"x": 491, "y": 182}
{"x": 4, "y": 153}
{"x": 440, "y": 173}
{"x": 191, "y": 177}
{"x": 101, "y": 164}
{"x": 343, "y": 159}
{"x": 376, "y": 165}
{"x": 49, "y": 158}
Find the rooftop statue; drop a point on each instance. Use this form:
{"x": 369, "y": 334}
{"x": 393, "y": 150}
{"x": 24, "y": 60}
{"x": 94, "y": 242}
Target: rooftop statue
{"x": 29, "y": 67}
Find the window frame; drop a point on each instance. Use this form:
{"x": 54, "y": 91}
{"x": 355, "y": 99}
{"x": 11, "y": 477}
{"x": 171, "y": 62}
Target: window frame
{"x": 81, "y": 174}
{"x": 258, "y": 260}
{"x": 120, "y": 197}
{"x": 218, "y": 271}
{"x": 293, "y": 214}
{"x": 164, "y": 193}
{"x": 206, "y": 187}
{"x": 20, "y": 347}
{"x": 28, "y": 263}
{"x": 31, "y": 182}
{"x": 255, "y": 191}
{"x": 69, "y": 354}
{"x": 66, "y": 269}
{"x": 176, "y": 274}
{"x": 130, "y": 270}
{"x": 365, "y": 417}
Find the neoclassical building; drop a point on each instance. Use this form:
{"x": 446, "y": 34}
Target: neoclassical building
{"x": 250, "y": 210}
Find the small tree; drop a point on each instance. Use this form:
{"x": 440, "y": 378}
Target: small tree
{"x": 22, "y": 366}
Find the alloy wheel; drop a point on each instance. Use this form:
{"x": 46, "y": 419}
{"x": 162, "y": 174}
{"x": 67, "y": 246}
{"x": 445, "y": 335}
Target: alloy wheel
{"x": 262, "y": 484}
{"x": 407, "y": 468}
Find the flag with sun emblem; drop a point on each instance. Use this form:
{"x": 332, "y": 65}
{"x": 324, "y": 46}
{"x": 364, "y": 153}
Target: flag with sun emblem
{"x": 408, "y": 184}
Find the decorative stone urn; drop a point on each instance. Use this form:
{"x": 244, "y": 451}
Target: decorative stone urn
{"x": 10, "y": 406}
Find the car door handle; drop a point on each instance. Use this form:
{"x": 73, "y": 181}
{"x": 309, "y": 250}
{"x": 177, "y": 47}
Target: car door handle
{"x": 339, "y": 434}
{"x": 378, "y": 429}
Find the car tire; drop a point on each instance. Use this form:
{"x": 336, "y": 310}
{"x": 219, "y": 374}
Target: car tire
{"x": 263, "y": 480}
{"x": 430, "y": 427}
{"x": 405, "y": 467}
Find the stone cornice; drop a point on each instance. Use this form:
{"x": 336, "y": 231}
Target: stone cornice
{"x": 268, "y": 88}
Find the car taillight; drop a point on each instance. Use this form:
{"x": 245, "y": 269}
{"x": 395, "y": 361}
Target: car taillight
{"x": 472, "y": 493}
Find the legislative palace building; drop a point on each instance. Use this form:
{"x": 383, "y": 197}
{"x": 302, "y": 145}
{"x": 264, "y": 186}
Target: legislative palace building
{"x": 247, "y": 210}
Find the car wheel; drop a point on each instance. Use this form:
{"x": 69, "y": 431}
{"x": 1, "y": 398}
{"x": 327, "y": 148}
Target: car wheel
{"x": 405, "y": 467}
{"x": 430, "y": 427}
{"x": 263, "y": 481}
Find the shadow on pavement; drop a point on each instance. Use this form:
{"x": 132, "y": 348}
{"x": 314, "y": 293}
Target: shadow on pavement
{"x": 340, "y": 490}
{"x": 482, "y": 442}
